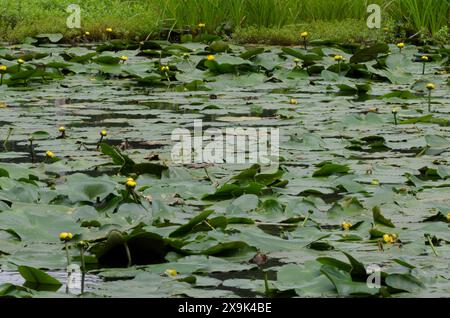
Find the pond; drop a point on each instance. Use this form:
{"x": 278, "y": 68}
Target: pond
{"x": 358, "y": 177}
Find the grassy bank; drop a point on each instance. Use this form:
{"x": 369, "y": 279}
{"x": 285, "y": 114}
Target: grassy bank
{"x": 262, "y": 21}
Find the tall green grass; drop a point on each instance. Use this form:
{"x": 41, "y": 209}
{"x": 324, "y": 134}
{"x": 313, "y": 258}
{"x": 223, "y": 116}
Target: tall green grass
{"x": 139, "y": 18}
{"x": 262, "y": 13}
{"x": 422, "y": 15}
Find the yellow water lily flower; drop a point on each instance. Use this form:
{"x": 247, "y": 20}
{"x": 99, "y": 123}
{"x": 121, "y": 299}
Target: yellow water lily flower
{"x": 293, "y": 101}
{"x": 201, "y": 25}
{"x": 49, "y": 154}
{"x": 171, "y": 272}
{"x": 375, "y": 182}
{"x": 431, "y": 86}
{"x": 448, "y": 217}
{"x": 20, "y": 61}
{"x": 401, "y": 45}
{"x": 124, "y": 58}
{"x": 389, "y": 238}
{"x": 210, "y": 57}
{"x": 338, "y": 58}
{"x": 65, "y": 236}
{"x": 103, "y": 133}
{"x": 424, "y": 58}
{"x": 109, "y": 30}
{"x": 165, "y": 68}
{"x": 304, "y": 34}
{"x": 394, "y": 110}
{"x": 62, "y": 129}
{"x": 346, "y": 225}
{"x": 131, "y": 183}
{"x": 87, "y": 33}
{"x": 3, "y": 68}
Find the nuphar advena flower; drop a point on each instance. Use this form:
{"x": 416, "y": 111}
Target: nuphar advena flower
{"x": 20, "y": 61}
{"x": 293, "y": 101}
{"x": 431, "y": 86}
{"x": 304, "y": 34}
{"x": 87, "y": 33}
{"x": 210, "y": 57}
{"x": 389, "y": 238}
{"x": 171, "y": 272}
{"x": 401, "y": 45}
{"x": 346, "y": 225}
{"x": 65, "y": 236}
{"x": 448, "y": 217}
{"x": 62, "y": 129}
{"x": 165, "y": 68}
{"x": 3, "y": 68}
{"x": 375, "y": 182}
{"x": 338, "y": 58}
{"x": 201, "y": 25}
{"x": 131, "y": 183}
{"x": 49, "y": 154}
{"x": 394, "y": 110}
{"x": 424, "y": 58}
{"x": 124, "y": 58}
{"x": 109, "y": 30}
{"x": 103, "y": 133}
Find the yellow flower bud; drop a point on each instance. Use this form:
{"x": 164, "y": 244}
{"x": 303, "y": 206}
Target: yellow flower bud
{"x": 124, "y": 58}
{"x": 210, "y": 57}
{"x": 20, "y": 61}
{"x": 389, "y": 238}
{"x": 171, "y": 272}
{"x": 394, "y": 110}
{"x": 346, "y": 225}
{"x": 338, "y": 58}
{"x": 49, "y": 154}
{"x": 65, "y": 236}
{"x": 431, "y": 86}
{"x": 401, "y": 45}
{"x": 424, "y": 58}
{"x": 375, "y": 182}
{"x": 293, "y": 101}
{"x": 201, "y": 25}
{"x": 109, "y": 30}
{"x": 62, "y": 129}
{"x": 103, "y": 133}
{"x": 3, "y": 68}
{"x": 304, "y": 34}
{"x": 87, "y": 33}
{"x": 131, "y": 183}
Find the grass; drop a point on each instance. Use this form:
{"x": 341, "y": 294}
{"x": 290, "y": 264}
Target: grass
{"x": 21, "y": 18}
{"x": 352, "y": 30}
{"x": 423, "y": 15}
{"x": 257, "y": 21}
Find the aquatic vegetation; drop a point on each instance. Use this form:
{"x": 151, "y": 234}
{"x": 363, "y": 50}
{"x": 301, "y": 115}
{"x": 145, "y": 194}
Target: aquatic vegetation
{"x": 87, "y": 176}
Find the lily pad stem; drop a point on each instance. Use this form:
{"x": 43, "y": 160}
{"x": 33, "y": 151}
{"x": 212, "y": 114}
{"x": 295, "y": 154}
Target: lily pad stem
{"x": 432, "y": 246}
